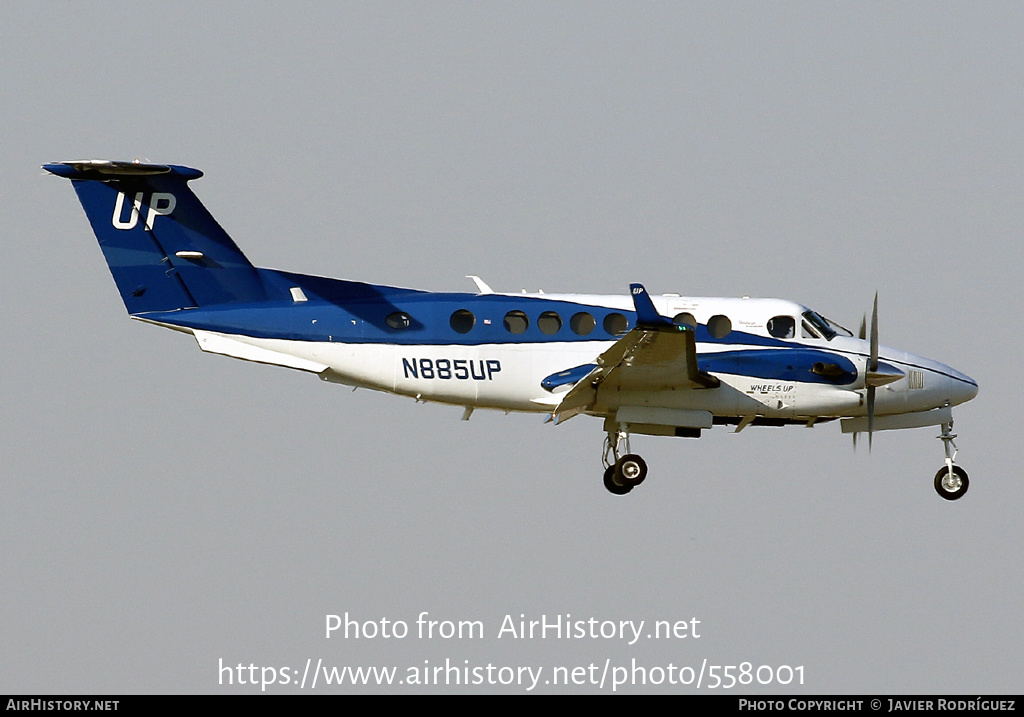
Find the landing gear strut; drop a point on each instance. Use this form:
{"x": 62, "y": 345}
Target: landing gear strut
{"x": 951, "y": 481}
{"x": 623, "y": 471}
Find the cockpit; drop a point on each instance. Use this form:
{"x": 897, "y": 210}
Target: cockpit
{"x": 812, "y": 326}
{"x": 815, "y": 325}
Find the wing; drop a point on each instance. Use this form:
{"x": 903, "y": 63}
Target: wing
{"x": 656, "y": 355}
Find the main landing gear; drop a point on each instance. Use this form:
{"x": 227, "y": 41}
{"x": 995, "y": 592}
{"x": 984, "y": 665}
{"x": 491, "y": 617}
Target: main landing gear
{"x": 951, "y": 481}
{"x": 623, "y": 471}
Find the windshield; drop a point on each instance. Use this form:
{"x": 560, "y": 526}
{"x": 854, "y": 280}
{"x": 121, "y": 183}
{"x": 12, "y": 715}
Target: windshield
{"x": 825, "y": 327}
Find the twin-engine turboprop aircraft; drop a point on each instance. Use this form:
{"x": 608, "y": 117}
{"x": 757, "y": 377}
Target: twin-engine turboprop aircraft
{"x": 664, "y": 366}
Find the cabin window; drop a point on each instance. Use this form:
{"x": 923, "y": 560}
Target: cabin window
{"x": 398, "y": 320}
{"x": 463, "y": 321}
{"x": 616, "y": 324}
{"x": 516, "y": 322}
{"x": 782, "y": 327}
{"x": 549, "y": 323}
{"x": 719, "y": 326}
{"x": 807, "y": 332}
{"x": 685, "y": 319}
{"x": 582, "y": 323}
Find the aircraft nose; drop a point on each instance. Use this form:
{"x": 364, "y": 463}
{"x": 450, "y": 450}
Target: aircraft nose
{"x": 966, "y": 390}
{"x": 962, "y": 388}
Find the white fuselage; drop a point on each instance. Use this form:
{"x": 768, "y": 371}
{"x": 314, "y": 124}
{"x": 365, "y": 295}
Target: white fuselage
{"x": 508, "y": 376}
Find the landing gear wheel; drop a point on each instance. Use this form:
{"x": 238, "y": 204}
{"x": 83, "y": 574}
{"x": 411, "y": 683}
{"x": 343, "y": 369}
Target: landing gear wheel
{"x": 631, "y": 470}
{"x": 951, "y": 487}
{"x": 610, "y": 482}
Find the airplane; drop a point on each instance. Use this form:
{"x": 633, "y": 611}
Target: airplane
{"x": 650, "y": 365}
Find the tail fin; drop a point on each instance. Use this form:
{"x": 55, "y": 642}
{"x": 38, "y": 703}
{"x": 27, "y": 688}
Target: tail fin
{"x": 164, "y": 249}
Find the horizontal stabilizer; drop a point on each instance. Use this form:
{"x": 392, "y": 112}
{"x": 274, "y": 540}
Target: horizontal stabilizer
{"x": 105, "y": 169}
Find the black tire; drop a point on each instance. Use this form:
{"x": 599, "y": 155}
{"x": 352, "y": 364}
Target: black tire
{"x": 611, "y": 485}
{"x": 631, "y": 470}
{"x": 951, "y": 490}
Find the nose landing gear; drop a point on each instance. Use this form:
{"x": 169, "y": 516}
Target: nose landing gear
{"x": 951, "y": 481}
{"x": 622, "y": 473}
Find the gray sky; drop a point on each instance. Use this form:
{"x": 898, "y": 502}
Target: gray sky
{"x": 165, "y": 509}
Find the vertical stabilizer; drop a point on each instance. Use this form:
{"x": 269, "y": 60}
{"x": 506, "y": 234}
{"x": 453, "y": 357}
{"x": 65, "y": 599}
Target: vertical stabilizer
{"x": 164, "y": 249}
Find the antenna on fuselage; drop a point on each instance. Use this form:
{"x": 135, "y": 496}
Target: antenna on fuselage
{"x": 481, "y": 285}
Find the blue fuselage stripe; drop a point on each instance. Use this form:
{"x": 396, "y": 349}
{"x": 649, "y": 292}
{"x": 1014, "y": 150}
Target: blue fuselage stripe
{"x": 351, "y": 312}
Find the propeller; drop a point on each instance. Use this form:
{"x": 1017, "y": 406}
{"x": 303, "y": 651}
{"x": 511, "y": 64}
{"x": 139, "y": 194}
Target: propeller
{"x": 872, "y": 369}
{"x": 872, "y": 378}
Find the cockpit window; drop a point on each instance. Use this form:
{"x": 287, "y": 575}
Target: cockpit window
{"x": 825, "y": 327}
{"x": 782, "y": 327}
{"x": 841, "y": 330}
